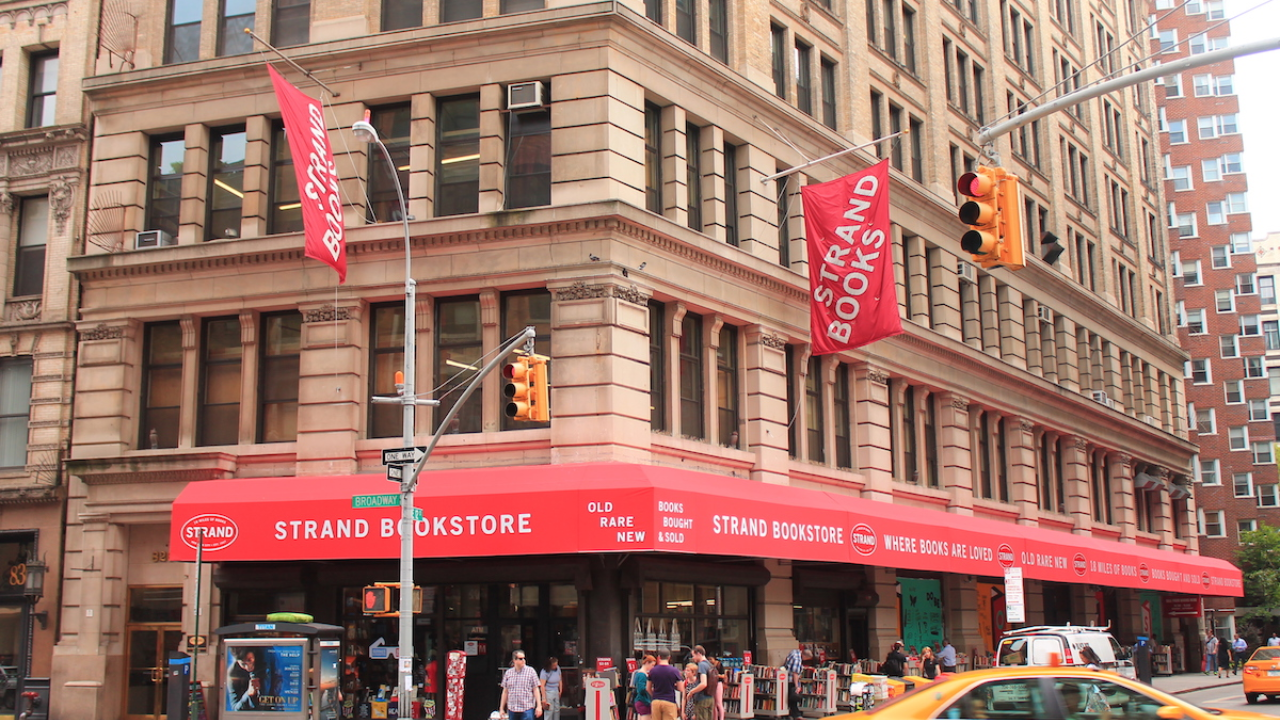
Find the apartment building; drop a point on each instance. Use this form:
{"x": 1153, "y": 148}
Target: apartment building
{"x": 43, "y": 179}
{"x": 595, "y": 170}
{"x": 1219, "y": 298}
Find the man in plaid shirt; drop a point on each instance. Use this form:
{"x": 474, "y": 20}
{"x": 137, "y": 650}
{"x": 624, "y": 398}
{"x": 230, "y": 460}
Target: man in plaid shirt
{"x": 521, "y": 690}
{"x": 794, "y": 665}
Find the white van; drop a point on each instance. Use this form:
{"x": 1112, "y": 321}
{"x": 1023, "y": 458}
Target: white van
{"x": 1072, "y": 644}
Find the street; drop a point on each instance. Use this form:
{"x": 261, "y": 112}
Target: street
{"x": 1229, "y": 698}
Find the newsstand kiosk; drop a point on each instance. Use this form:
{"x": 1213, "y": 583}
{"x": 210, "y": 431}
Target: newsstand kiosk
{"x": 279, "y": 670}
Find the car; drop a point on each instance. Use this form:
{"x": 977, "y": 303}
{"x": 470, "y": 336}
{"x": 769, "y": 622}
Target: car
{"x": 1262, "y": 674}
{"x": 1064, "y": 645}
{"x": 1041, "y": 693}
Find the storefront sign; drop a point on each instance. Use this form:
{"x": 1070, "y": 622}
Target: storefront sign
{"x": 1182, "y": 607}
{"x": 622, "y": 508}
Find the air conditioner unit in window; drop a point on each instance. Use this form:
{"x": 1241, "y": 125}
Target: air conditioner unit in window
{"x": 1151, "y": 420}
{"x": 526, "y": 95}
{"x": 966, "y": 271}
{"x": 153, "y": 238}
{"x": 1045, "y": 314}
{"x": 1100, "y": 396}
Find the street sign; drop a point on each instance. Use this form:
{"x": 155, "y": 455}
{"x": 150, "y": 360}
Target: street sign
{"x": 395, "y": 473}
{"x": 403, "y": 455}
{"x": 381, "y": 501}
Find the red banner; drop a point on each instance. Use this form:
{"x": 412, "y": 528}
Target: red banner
{"x": 1184, "y": 606}
{"x": 616, "y": 507}
{"x": 317, "y": 175}
{"x": 853, "y": 300}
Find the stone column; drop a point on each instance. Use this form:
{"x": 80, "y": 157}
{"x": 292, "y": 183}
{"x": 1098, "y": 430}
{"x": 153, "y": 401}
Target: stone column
{"x": 873, "y": 430}
{"x": 1120, "y": 468}
{"x": 1013, "y": 337}
{"x": 777, "y": 619}
{"x": 945, "y": 292}
{"x": 190, "y": 392}
{"x": 801, "y": 421}
{"x": 955, "y": 441}
{"x": 331, "y": 387}
{"x": 1024, "y": 490}
{"x": 711, "y": 143}
{"x": 248, "y": 375}
{"x": 493, "y": 146}
{"x": 490, "y": 388}
{"x": 765, "y": 383}
{"x": 960, "y": 607}
{"x": 675, "y": 167}
{"x": 713, "y": 324}
{"x": 1162, "y": 519}
{"x": 1075, "y": 466}
{"x": 106, "y": 395}
{"x": 597, "y": 138}
{"x": 195, "y": 186}
{"x": 758, "y": 204}
{"x": 421, "y": 193}
{"x": 1068, "y": 357}
{"x": 257, "y": 177}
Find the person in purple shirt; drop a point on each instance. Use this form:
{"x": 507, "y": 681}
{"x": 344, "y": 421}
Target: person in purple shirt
{"x": 664, "y": 681}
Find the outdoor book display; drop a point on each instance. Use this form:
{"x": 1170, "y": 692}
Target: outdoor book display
{"x": 770, "y": 692}
{"x": 854, "y": 689}
{"x": 739, "y": 690}
{"x": 818, "y": 692}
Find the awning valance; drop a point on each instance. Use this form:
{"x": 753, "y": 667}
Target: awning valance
{"x": 607, "y": 507}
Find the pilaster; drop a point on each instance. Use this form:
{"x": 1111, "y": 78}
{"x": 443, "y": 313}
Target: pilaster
{"x": 871, "y": 408}
{"x": 330, "y": 390}
{"x": 1020, "y": 433}
{"x": 955, "y": 441}
{"x": 765, "y": 381}
{"x": 1120, "y": 467}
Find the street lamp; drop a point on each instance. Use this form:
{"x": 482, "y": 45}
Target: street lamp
{"x": 365, "y": 132}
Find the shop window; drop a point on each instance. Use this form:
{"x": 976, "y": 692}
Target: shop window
{"x": 692, "y": 381}
{"x": 236, "y": 17}
{"x": 813, "y": 409}
{"x": 392, "y": 124}
{"x": 657, "y": 367}
{"x": 815, "y": 615}
{"x": 456, "y": 10}
{"x": 714, "y": 616}
{"x": 161, "y": 386}
{"x": 386, "y": 348}
{"x": 279, "y": 372}
{"x": 458, "y": 167}
{"x": 291, "y": 24}
{"x": 286, "y": 204}
{"x": 401, "y": 14}
{"x": 520, "y": 310}
{"x": 727, "y": 387}
{"x": 33, "y": 242}
{"x": 15, "y": 410}
{"x": 164, "y": 195}
{"x": 458, "y": 350}
{"x": 43, "y": 96}
{"x": 529, "y": 159}
{"x": 226, "y": 184}
{"x": 220, "y": 370}
{"x": 182, "y": 37}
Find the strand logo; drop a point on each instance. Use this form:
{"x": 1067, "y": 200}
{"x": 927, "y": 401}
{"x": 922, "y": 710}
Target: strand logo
{"x": 863, "y": 538}
{"x": 1204, "y": 578}
{"x": 1144, "y": 572}
{"x": 217, "y": 531}
{"x": 1004, "y": 556}
{"x": 1080, "y": 564}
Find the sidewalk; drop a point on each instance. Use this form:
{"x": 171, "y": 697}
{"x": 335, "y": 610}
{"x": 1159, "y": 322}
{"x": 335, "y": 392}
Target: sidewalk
{"x": 1191, "y": 682}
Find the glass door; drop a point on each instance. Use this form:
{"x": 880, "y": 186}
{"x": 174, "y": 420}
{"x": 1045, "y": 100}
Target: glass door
{"x": 148, "y": 654}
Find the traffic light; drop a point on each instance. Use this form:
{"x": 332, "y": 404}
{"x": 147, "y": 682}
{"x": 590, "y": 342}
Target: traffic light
{"x": 377, "y": 600}
{"x": 539, "y": 389}
{"x": 527, "y": 389}
{"x": 994, "y": 217}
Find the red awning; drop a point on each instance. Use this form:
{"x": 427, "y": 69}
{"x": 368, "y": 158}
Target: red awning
{"x": 603, "y": 507}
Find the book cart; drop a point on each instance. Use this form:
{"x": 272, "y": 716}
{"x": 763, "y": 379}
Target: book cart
{"x": 854, "y": 689}
{"x": 769, "y": 697}
{"x": 818, "y": 692}
{"x": 739, "y": 695}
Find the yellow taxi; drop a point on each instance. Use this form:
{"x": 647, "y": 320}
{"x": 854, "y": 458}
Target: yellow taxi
{"x": 1040, "y": 693}
{"x": 1262, "y": 674}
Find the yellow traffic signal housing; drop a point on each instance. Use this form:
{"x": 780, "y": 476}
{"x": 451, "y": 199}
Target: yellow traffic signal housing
{"x": 516, "y": 387}
{"x": 539, "y": 389}
{"x": 994, "y": 217}
{"x": 376, "y": 600}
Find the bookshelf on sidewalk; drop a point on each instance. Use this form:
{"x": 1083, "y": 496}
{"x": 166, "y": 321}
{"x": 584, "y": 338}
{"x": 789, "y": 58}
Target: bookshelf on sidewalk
{"x": 739, "y": 695}
{"x": 855, "y": 688}
{"x": 817, "y": 692}
{"x": 769, "y": 697}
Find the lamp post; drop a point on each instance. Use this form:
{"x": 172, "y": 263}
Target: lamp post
{"x": 365, "y": 132}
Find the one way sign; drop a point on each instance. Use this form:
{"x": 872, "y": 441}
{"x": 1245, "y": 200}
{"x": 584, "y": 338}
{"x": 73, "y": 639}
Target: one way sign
{"x": 403, "y": 455}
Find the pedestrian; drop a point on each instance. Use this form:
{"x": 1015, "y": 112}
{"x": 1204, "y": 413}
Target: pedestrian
{"x": 664, "y": 681}
{"x": 928, "y": 663}
{"x": 1210, "y": 652}
{"x": 704, "y": 698}
{"x": 643, "y": 703}
{"x": 895, "y": 662}
{"x": 521, "y": 690}
{"x": 947, "y": 656}
{"x": 1224, "y": 658}
{"x": 550, "y": 676}
{"x": 690, "y": 688}
{"x": 1240, "y": 649}
{"x": 717, "y": 677}
{"x": 794, "y": 665}
{"x": 1274, "y": 640}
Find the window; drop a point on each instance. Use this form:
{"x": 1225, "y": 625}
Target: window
{"x": 657, "y": 367}
{"x": 731, "y": 194}
{"x": 458, "y": 166}
{"x": 506, "y": 7}
{"x": 1258, "y": 410}
{"x": 457, "y": 10}
{"x": 784, "y": 220}
{"x": 1231, "y": 164}
{"x": 1191, "y": 273}
{"x": 182, "y": 37}
{"x": 15, "y": 410}
{"x": 1172, "y": 85}
{"x": 1254, "y": 367}
{"x": 1195, "y": 321}
{"x": 1267, "y": 289}
{"x": 877, "y": 121}
{"x": 1001, "y": 698}
{"x": 458, "y": 358}
{"x": 890, "y": 44}
{"x": 804, "y": 81}
{"x": 1229, "y": 346}
{"x": 653, "y": 158}
{"x": 719, "y": 28}
{"x": 520, "y": 310}
{"x": 235, "y": 16}
{"x": 1271, "y": 331}
{"x": 392, "y": 125}
{"x": 827, "y": 70}
{"x": 33, "y": 240}
{"x": 909, "y": 38}
{"x": 1215, "y": 213}
{"x": 1238, "y": 438}
{"x": 286, "y": 203}
{"x": 1237, "y": 203}
{"x": 42, "y": 102}
{"x": 1181, "y": 177}
{"x": 1186, "y": 224}
{"x": 843, "y": 424}
{"x": 1221, "y": 255}
{"x": 1250, "y": 325}
{"x": 871, "y": 22}
{"x": 386, "y": 357}
{"x": 1263, "y": 452}
{"x": 1213, "y": 126}
{"x": 1200, "y": 374}
{"x": 1245, "y": 526}
{"x": 528, "y": 159}
{"x": 1076, "y": 168}
{"x": 1212, "y": 524}
{"x": 220, "y": 368}
{"x": 727, "y": 387}
{"x": 1168, "y": 40}
{"x": 161, "y": 386}
{"x": 279, "y": 373}
{"x": 917, "y": 149}
{"x": 895, "y": 126}
{"x": 291, "y": 24}
{"x": 164, "y": 196}
{"x": 1234, "y": 390}
{"x": 1224, "y": 300}
{"x": 1177, "y": 132}
{"x": 1210, "y": 170}
{"x": 1268, "y": 495}
{"x": 226, "y": 184}
{"x": 778, "y": 43}
{"x": 687, "y": 20}
{"x": 1206, "y": 421}
{"x": 814, "y": 422}
{"x": 1208, "y": 471}
{"x": 401, "y": 14}
{"x": 691, "y": 377}
{"x": 693, "y": 176}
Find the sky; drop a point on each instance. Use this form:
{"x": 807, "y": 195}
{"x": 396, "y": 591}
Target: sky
{"x": 1256, "y": 81}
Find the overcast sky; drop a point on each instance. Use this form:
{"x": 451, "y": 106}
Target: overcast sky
{"x": 1257, "y": 80}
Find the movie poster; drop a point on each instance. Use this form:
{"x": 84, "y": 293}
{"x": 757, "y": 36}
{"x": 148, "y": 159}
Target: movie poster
{"x": 329, "y": 679}
{"x": 264, "y": 678}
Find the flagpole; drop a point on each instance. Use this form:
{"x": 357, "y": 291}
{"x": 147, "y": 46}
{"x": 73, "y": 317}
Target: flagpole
{"x": 832, "y": 156}
{"x": 295, "y": 65}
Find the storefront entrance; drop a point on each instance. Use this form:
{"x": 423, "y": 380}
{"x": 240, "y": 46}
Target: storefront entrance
{"x": 154, "y": 631}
